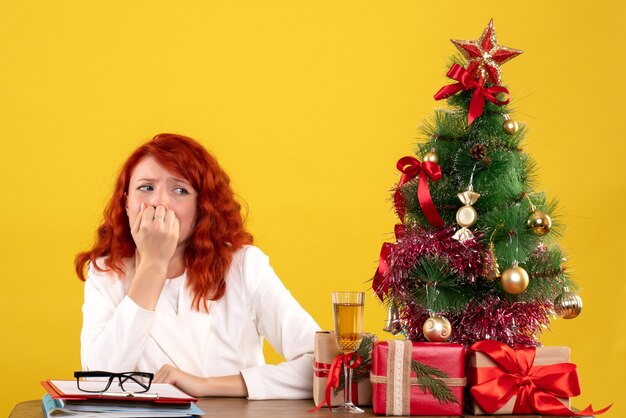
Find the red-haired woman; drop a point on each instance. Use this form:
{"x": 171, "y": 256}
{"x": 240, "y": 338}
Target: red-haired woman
{"x": 174, "y": 287}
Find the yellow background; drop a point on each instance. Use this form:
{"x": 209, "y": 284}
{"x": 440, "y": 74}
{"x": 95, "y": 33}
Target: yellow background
{"x": 308, "y": 105}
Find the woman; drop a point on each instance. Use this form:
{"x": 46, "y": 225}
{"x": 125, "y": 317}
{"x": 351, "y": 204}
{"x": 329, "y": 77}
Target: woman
{"x": 174, "y": 287}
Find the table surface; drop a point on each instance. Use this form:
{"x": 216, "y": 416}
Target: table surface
{"x": 238, "y": 407}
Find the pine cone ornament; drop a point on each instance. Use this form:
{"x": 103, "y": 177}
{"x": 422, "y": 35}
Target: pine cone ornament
{"x": 478, "y": 152}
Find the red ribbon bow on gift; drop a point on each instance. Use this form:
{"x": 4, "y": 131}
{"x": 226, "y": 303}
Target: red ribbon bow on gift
{"x": 466, "y": 82}
{"x": 351, "y": 361}
{"x": 380, "y": 284}
{"x": 410, "y": 168}
{"x": 536, "y": 387}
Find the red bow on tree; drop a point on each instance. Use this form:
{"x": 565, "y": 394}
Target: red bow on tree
{"x": 380, "y": 283}
{"x": 411, "y": 168}
{"x": 467, "y": 82}
{"x": 536, "y": 387}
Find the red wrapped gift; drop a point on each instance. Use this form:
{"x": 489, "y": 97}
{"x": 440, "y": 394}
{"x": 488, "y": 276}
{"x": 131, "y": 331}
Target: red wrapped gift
{"x": 326, "y": 351}
{"x": 522, "y": 381}
{"x": 396, "y": 389}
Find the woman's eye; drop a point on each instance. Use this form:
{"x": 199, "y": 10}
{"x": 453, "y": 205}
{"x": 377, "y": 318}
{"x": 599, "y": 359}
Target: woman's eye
{"x": 145, "y": 188}
{"x": 181, "y": 190}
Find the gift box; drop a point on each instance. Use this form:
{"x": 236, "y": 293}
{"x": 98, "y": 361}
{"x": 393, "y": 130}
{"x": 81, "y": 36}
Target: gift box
{"x": 327, "y": 351}
{"x": 523, "y": 381}
{"x": 417, "y": 378}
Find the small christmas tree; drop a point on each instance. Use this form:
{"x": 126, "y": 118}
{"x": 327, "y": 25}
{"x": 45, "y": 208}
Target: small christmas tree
{"x": 475, "y": 255}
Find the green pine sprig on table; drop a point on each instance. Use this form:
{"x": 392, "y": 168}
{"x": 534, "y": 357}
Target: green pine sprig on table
{"x": 365, "y": 351}
{"x": 429, "y": 379}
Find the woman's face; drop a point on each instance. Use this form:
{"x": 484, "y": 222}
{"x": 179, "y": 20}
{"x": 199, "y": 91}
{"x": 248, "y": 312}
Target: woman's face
{"x": 152, "y": 185}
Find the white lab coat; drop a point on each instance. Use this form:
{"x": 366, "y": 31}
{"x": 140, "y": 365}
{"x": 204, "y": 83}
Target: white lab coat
{"x": 120, "y": 336}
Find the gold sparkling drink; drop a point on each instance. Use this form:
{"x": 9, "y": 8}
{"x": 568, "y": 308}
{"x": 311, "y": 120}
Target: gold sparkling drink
{"x": 348, "y": 310}
{"x": 348, "y": 325}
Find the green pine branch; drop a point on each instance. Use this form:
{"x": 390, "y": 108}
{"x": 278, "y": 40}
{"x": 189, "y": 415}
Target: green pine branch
{"x": 429, "y": 380}
{"x": 437, "y": 288}
{"x": 362, "y": 371}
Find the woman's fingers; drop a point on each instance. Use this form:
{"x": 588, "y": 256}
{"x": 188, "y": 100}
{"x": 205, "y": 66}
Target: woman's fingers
{"x": 171, "y": 226}
{"x": 156, "y": 232}
{"x": 135, "y": 226}
{"x": 187, "y": 382}
{"x": 161, "y": 375}
{"x": 159, "y": 213}
{"x": 147, "y": 216}
{"x": 169, "y": 216}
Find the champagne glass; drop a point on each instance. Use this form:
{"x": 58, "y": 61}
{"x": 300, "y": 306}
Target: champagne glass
{"x": 348, "y": 310}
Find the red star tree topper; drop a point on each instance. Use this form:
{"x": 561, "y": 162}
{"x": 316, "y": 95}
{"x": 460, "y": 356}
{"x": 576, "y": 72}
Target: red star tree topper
{"x": 485, "y": 55}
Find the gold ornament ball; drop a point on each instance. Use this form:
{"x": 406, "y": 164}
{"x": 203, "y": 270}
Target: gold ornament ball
{"x": 437, "y": 329}
{"x": 431, "y": 156}
{"x": 510, "y": 126}
{"x": 539, "y": 222}
{"x": 514, "y": 280}
{"x": 466, "y": 216}
{"x": 568, "y": 305}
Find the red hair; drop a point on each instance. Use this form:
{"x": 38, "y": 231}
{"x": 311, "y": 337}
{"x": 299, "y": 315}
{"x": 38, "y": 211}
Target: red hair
{"x": 219, "y": 228}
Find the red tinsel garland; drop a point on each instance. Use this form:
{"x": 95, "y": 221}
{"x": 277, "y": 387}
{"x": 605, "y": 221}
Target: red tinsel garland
{"x": 464, "y": 258}
{"x": 513, "y": 323}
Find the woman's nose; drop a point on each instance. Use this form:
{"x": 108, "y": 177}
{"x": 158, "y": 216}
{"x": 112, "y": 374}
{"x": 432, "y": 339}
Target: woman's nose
{"x": 158, "y": 198}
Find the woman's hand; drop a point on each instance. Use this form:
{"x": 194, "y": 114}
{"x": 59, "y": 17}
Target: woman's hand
{"x": 155, "y": 232}
{"x": 188, "y": 383}
{"x": 233, "y": 386}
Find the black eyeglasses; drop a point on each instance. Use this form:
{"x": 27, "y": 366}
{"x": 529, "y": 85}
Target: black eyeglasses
{"x": 135, "y": 382}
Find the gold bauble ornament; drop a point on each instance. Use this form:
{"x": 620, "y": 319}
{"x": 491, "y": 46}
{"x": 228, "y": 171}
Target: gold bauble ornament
{"x": 514, "y": 280}
{"x": 510, "y": 126}
{"x": 568, "y": 305}
{"x": 431, "y": 156}
{"x": 539, "y": 222}
{"x": 466, "y": 216}
{"x": 437, "y": 329}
